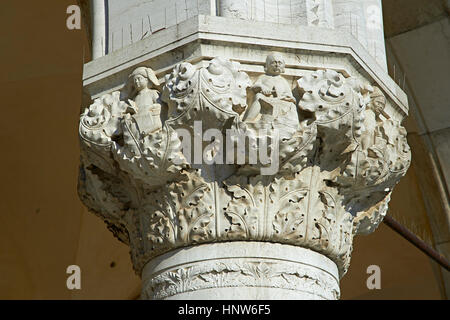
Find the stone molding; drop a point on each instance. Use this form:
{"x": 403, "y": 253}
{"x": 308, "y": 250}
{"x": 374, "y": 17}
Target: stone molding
{"x": 240, "y": 266}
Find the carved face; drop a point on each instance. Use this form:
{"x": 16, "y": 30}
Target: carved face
{"x": 140, "y": 82}
{"x": 378, "y": 100}
{"x": 275, "y": 64}
{"x": 379, "y": 103}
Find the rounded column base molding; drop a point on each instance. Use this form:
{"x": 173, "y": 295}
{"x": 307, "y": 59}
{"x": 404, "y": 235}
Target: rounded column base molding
{"x": 241, "y": 271}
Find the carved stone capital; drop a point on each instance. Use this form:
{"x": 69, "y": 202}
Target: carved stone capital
{"x": 157, "y": 164}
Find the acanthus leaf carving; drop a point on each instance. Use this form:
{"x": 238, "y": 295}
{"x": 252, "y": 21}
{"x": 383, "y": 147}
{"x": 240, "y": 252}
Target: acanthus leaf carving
{"x": 239, "y": 273}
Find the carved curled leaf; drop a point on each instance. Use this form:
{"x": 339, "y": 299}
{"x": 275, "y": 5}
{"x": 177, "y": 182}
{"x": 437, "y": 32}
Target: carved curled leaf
{"x": 327, "y": 199}
{"x": 237, "y": 228}
{"x": 288, "y": 221}
{"x": 366, "y": 222}
{"x": 220, "y": 88}
{"x": 194, "y": 205}
{"x": 327, "y": 94}
{"x": 98, "y": 123}
{"x": 242, "y": 211}
{"x": 259, "y": 270}
{"x": 154, "y": 158}
{"x": 201, "y": 229}
{"x": 161, "y": 229}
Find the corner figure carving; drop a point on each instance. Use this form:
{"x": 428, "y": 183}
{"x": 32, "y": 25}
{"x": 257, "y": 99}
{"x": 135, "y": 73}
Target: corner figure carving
{"x": 373, "y": 118}
{"x": 143, "y": 97}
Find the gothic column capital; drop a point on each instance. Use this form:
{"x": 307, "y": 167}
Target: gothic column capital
{"x": 211, "y": 154}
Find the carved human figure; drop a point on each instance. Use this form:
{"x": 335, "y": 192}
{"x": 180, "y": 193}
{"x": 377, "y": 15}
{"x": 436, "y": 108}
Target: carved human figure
{"x": 372, "y": 118}
{"x": 144, "y": 98}
{"x": 273, "y": 95}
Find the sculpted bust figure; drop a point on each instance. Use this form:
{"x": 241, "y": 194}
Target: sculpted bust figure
{"x": 372, "y": 120}
{"x": 273, "y": 97}
{"x": 143, "y": 96}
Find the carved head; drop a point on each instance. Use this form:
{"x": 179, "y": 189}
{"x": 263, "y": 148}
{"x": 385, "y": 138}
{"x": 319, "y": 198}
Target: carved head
{"x": 377, "y": 100}
{"x": 275, "y": 64}
{"x": 142, "y": 78}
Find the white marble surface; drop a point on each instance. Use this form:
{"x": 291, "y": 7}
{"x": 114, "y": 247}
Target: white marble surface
{"x": 99, "y": 35}
{"x": 241, "y": 271}
{"x": 132, "y": 20}
{"x": 121, "y": 23}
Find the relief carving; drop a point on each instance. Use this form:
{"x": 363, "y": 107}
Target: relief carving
{"x": 243, "y": 273}
{"x": 143, "y": 97}
{"x": 338, "y": 153}
{"x": 273, "y": 100}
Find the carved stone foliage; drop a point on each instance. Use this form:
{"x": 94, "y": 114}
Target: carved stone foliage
{"x": 241, "y": 273}
{"x": 336, "y": 151}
